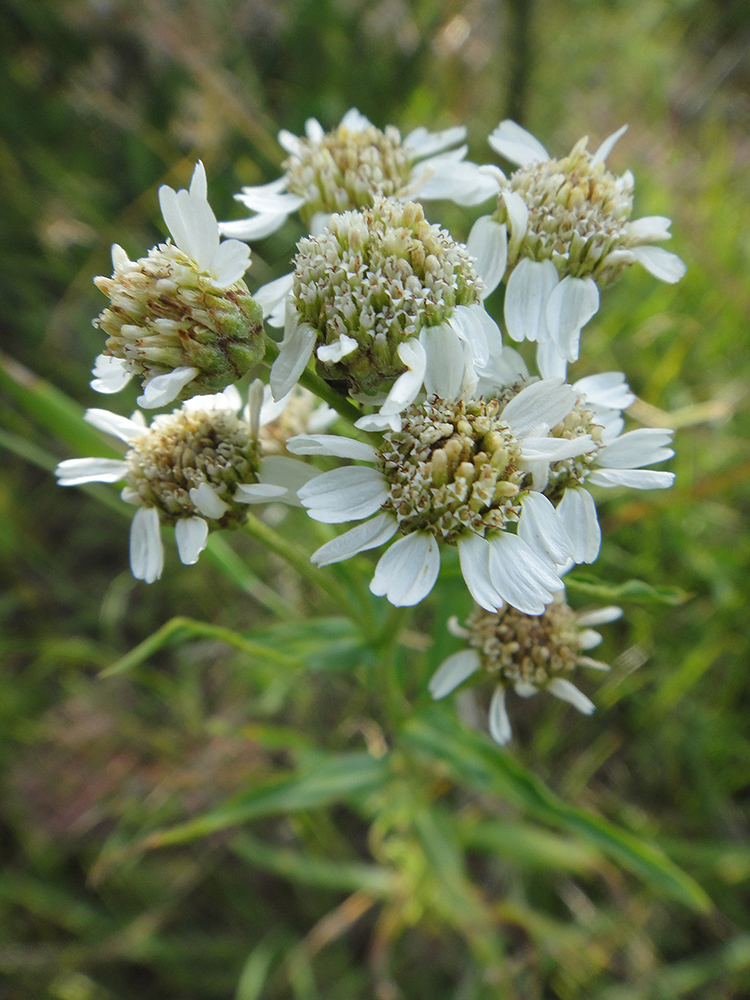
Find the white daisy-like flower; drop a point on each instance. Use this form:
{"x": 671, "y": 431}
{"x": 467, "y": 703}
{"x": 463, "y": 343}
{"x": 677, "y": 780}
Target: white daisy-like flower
{"x": 387, "y": 304}
{"x": 196, "y": 468}
{"x": 529, "y": 653}
{"x": 456, "y": 474}
{"x": 562, "y": 230}
{"x": 351, "y": 166}
{"x": 181, "y": 318}
{"x": 617, "y": 459}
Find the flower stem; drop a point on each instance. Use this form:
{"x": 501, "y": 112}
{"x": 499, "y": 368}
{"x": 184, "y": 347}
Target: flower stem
{"x": 320, "y": 578}
{"x": 319, "y": 387}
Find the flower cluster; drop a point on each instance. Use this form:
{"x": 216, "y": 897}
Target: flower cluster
{"x": 452, "y": 443}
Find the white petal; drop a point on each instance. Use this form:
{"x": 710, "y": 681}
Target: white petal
{"x": 314, "y": 130}
{"x": 588, "y": 639}
{"x": 379, "y": 422}
{"x": 339, "y": 349}
{"x": 608, "y": 145}
{"x": 191, "y": 535}
{"x": 527, "y": 293}
{"x": 661, "y": 263}
{"x": 198, "y": 183}
{"x": 110, "y": 374}
{"x": 472, "y": 324}
{"x": 453, "y": 671}
{"x": 407, "y": 570}
{"x": 570, "y": 306}
{"x": 404, "y": 390}
{"x": 650, "y": 227}
{"x": 461, "y": 182}
{"x": 549, "y": 360}
{"x": 637, "y": 479}
{"x": 112, "y": 423}
{"x": 516, "y": 144}
{"x": 172, "y": 215}
{"x": 422, "y": 142}
{"x": 555, "y": 449}
{"x": 207, "y": 501}
{"x": 229, "y": 263}
{"x": 600, "y": 616}
{"x": 146, "y": 550}
{"x": 577, "y": 511}
{"x": 606, "y": 389}
{"x": 445, "y": 361}
{"x": 541, "y": 404}
{"x": 260, "y": 199}
{"x": 488, "y": 243}
{"x": 331, "y": 444}
{"x": 289, "y": 143}
{"x": 500, "y": 730}
{"x": 637, "y": 448}
{"x": 362, "y": 537}
{"x": 520, "y": 576}
{"x": 77, "y": 471}
{"x": 566, "y": 691}
{"x": 518, "y": 220}
{"x": 259, "y": 492}
{"x": 474, "y": 557}
{"x": 165, "y": 388}
{"x": 347, "y": 494}
{"x": 256, "y": 227}
{"x": 287, "y": 473}
{"x": 271, "y": 294}
{"x": 354, "y": 121}
{"x": 541, "y": 528}
{"x": 295, "y": 351}
{"x": 200, "y": 227}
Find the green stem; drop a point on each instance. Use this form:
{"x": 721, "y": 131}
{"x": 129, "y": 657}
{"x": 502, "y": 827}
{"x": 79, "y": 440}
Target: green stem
{"x": 319, "y": 387}
{"x": 320, "y": 578}
{"x": 396, "y": 704}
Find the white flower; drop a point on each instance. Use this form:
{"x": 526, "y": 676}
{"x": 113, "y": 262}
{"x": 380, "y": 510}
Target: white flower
{"x": 349, "y": 167}
{"x": 196, "y": 468}
{"x": 527, "y": 653}
{"x": 617, "y": 458}
{"x": 181, "y": 317}
{"x": 388, "y": 304}
{"x": 455, "y": 473}
{"x": 561, "y": 231}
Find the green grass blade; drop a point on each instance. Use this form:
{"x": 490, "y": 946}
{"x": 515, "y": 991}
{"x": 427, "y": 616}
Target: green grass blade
{"x": 473, "y": 759}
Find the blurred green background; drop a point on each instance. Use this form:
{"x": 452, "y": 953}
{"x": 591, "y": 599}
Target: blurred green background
{"x": 304, "y": 861}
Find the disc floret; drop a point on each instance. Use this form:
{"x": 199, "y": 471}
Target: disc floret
{"x": 347, "y": 169}
{"x": 578, "y": 213}
{"x": 189, "y": 450}
{"x": 374, "y": 280}
{"x": 452, "y": 468}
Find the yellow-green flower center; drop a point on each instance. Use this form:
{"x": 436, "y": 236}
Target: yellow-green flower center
{"x": 378, "y": 277}
{"x": 453, "y": 467}
{"x": 347, "y": 170}
{"x": 184, "y": 449}
{"x": 532, "y": 649}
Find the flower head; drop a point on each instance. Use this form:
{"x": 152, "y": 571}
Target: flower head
{"x": 181, "y": 317}
{"x": 529, "y": 653}
{"x": 611, "y": 458}
{"x": 561, "y": 231}
{"x": 455, "y": 473}
{"x": 351, "y": 166}
{"x": 196, "y": 468}
{"x": 387, "y": 302}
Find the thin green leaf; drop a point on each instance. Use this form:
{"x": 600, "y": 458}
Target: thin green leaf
{"x": 179, "y": 629}
{"x": 310, "y": 870}
{"x": 473, "y": 759}
{"x": 636, "y": 591}
{"x": 319, "y": 783}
